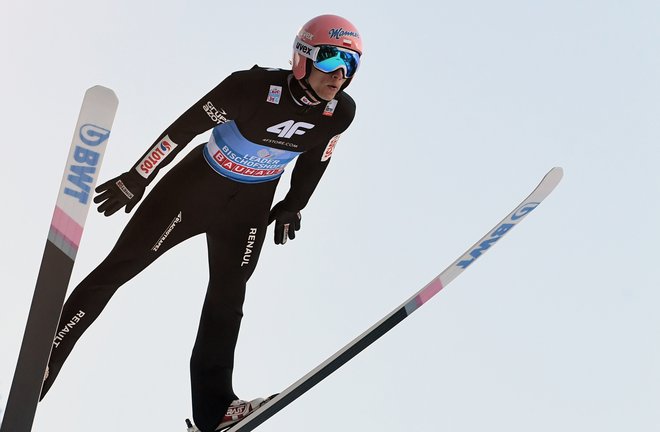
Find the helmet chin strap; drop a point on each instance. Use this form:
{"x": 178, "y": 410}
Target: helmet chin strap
{"x": 346, "y": 83}
{"x": 304, "y": 83}
{"x": 303, "y": 94}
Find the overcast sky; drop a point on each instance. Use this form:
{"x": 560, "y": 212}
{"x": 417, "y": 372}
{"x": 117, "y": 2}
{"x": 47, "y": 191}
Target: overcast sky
{"x": 462, "y": 107}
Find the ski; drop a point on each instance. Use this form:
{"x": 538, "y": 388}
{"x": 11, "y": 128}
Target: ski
{"x": 341, "y": 357}
{"x": 73, "y": 201}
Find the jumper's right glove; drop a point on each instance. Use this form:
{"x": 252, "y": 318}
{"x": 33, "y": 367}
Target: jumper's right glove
{"x": 287, "y": 222}
{"x": 125, "y": 190}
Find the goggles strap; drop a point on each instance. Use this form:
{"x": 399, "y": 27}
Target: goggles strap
{"x": 305, "y": 49}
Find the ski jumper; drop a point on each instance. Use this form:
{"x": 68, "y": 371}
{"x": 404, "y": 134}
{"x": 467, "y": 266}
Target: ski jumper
{"x": 261, "y": 119}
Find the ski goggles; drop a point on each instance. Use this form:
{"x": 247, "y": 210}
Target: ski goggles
{"x": 330, "y": 58}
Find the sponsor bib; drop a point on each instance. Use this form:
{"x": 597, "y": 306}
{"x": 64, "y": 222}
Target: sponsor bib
{"x": 233, "y": 156}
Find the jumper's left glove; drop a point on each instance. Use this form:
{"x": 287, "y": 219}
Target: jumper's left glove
{"x": 287, "y": 222}
{"x": 124, "y": 190}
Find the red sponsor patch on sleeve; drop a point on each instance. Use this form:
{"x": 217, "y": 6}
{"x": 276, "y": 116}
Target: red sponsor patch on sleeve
{"x": 327, "y": 154}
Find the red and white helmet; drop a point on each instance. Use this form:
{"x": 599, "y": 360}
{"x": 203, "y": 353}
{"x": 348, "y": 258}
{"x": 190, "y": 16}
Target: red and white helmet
{"x": 328, "y": 31}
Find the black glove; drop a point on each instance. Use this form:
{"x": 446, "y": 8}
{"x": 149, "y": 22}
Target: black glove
{"x": 125, "y": 190}
{"x": 287, "y": 222}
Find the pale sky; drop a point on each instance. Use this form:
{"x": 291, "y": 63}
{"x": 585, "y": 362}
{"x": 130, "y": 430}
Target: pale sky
{"x": 462, "y": 107}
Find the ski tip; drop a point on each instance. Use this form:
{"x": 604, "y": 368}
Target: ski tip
{"x": 554, "y": 175}
{"x": 556, "y": 170}
{"x": 102, "y": 92}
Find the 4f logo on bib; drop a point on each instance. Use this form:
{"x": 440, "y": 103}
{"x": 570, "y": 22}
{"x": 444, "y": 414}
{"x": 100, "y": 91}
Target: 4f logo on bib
{"x": 289, "y": 128}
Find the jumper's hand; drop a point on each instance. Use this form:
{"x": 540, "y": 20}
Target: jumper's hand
{"x": 287, "y": 222}
{"x": 125, "y": 190}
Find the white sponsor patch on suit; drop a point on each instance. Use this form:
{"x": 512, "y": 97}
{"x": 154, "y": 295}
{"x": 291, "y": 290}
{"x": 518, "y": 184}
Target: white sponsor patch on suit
{"x": 330, "y": 108}
{"x": 274, "y": 94}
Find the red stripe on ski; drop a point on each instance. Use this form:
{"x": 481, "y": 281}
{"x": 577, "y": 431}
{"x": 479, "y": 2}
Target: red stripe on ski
{"x": 66, "y": 227}
{"x": 429, "y": 291}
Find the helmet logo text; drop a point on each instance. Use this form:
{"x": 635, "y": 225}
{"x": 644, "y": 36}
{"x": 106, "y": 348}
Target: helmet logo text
{"x": 340, "y": 33}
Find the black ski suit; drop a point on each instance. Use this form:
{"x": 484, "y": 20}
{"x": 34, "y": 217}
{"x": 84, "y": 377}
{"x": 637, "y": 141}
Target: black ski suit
{"x": 261, "y": 119}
